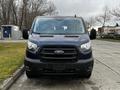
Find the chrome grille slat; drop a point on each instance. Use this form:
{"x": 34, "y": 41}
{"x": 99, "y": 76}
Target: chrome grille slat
{"x": 58, "y": 58}
{"x": 45, "y": 53}
{"x": 68, "y": 49}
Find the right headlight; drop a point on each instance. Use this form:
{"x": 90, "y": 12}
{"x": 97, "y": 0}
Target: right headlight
{"x": 86, "y": 46}
{"x": 32, "y": 46}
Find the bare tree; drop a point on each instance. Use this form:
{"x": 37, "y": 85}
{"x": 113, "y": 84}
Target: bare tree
{"x": 5, "y": 6}
{"x": 33, "y": 8}
{"x": 14, "y": 13}
{"x": 116, "y": 13}
{"x": 51, "y": 9}
{"x": 22, "y": 12}
{"x": 91, "y": 21}
{"x": 105, "y": 17}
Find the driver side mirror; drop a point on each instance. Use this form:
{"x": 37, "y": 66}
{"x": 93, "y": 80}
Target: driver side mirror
{"x": 26, "y": 33}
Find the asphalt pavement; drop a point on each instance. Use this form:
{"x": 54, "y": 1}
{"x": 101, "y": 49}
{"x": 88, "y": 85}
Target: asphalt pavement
{"x": 106, "y": 73}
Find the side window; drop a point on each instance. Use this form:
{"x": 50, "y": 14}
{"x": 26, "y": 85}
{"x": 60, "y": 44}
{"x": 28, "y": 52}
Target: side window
{"x": 84, "y": 26}
{"x": 33, "y": 25}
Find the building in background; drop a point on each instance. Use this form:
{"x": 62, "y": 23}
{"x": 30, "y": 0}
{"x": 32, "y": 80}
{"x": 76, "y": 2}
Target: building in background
{"x": 109, "y": 31}
{"x": 10, "y": 32}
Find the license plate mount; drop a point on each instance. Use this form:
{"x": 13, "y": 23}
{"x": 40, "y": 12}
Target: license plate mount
{"x": 58, "y": 67}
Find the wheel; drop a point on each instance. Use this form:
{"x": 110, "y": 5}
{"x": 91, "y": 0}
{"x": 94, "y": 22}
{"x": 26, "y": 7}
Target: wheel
{"x": 30, "y": 74}
{"x": 88, "y": 71}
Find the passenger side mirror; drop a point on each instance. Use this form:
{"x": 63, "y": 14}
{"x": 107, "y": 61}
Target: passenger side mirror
{"x": 93, "y": 34}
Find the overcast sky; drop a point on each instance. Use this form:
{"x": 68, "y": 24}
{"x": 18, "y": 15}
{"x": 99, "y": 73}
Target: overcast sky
{"x": 83, "y": 8}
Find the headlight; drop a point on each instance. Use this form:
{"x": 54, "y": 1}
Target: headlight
{"x": 32, "y": 46}
{"x": 86, "y": 46}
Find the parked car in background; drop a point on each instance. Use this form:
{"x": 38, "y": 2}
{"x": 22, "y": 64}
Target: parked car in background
{"x": 59, "y": 46}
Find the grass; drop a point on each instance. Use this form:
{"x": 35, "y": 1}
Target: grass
{"x": 111, "y": 40}
{"x": 11, "y": 58}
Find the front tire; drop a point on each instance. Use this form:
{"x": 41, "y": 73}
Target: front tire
{"x": 30, "y": 74}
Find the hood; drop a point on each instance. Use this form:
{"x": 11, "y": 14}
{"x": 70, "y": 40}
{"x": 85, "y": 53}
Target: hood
{"x": 59, "y": 39}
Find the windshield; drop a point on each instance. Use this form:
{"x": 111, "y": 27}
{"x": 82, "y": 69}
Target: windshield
{"x": 58, "y": 26}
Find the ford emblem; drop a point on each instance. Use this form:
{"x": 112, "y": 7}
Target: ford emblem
{"x": 59, "y": 52}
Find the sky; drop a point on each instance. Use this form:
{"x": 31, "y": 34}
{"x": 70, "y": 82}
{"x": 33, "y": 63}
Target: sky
{"x": 84, "y": 8}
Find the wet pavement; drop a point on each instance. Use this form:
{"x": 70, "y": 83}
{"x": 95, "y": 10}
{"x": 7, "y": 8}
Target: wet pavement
{"x": 106, "y": 73}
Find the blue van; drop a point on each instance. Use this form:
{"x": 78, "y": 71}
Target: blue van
{"x": 59, "y": 46}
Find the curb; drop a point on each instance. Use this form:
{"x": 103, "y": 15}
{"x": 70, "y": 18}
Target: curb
{"x": 10, "y": 81}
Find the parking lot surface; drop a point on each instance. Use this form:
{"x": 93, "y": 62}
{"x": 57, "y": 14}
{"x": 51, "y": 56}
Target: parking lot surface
{"x": 106, "y": 73}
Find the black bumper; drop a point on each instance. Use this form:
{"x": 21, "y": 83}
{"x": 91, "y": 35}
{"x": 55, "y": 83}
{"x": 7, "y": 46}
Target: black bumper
{"x": 80, "y": 67}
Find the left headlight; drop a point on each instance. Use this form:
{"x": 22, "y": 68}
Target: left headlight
{"x": 86, "y": 46}
{"x": 32, "y": 46}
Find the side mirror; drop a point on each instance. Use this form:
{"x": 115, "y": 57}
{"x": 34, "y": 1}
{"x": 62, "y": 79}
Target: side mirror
{"x": 25, "y": 34}
{"x": 93, "y": 34}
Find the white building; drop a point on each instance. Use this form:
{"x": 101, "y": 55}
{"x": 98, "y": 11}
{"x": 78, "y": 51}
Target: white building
{"x": 10, "y": 32}
{"x": 111, "y": 30}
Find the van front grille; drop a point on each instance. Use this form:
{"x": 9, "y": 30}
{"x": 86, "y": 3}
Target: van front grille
{"x": 58, "y": 53}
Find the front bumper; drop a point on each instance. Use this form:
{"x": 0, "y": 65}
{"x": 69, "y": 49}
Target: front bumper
{"x": 80, "y": 67}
